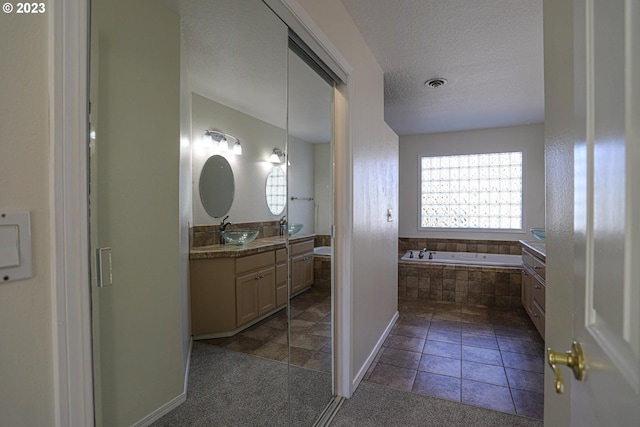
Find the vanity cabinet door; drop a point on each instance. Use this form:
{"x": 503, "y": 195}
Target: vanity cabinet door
{"x": 301, "y": 266}
{"x": 534, "y": 289}
{"x": 302, "y": 273}
{"x": 266, "y": 291}
{"x": 255, "y": 295}
{"x": 247, "y": 298}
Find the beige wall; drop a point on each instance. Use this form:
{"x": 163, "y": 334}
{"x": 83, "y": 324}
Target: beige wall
{"x": 26, "y": 354}
{"x": 529, "y": 139}
{"x": 559, "y": 134}
{"x": 374, "y": 175}
{"x": 138, "y": 140}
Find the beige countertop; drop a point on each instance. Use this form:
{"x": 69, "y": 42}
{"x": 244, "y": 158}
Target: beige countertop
{"x": 537, "y": 247}
{"x": 255, "y": 247}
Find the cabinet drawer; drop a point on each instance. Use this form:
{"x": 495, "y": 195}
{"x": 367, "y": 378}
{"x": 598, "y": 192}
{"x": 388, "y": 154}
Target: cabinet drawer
{"x": 537, "y": 315}
{"x": 254, "y": 262}
{"x": 301, "y": 248}
{"x": 538, "y": 290}
{"x": 534, "y": 263}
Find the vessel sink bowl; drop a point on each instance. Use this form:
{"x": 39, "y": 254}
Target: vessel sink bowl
{"x": 539, "y": 233}
{"x": 294, "y": 228}
{"x": 239, "y": 237}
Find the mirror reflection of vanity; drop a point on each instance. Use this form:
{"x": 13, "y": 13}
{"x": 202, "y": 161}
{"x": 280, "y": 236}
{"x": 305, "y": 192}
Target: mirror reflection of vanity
{"x": 235, "y": 287}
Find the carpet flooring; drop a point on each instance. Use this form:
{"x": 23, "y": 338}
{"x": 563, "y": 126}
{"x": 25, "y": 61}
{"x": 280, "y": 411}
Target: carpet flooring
{"x": 228, "y": 388}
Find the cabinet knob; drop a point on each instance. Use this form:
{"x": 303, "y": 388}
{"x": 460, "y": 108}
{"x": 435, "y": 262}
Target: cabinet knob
{"x": 536, "y": 287}
{"x": 536, "y": 267}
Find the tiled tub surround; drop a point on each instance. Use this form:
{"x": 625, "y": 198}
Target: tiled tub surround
{"x": 475, "y": 285}
{"x": 504, "y": 247}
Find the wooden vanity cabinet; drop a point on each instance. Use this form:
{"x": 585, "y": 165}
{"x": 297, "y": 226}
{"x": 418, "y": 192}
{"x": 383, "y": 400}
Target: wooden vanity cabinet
{"x": 534, "y": 288}
{"x": 301, "y": 266}
{"x": 230, "y": 294}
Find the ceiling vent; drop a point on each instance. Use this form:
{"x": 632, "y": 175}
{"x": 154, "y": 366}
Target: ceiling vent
{"x": 435, "y": 83}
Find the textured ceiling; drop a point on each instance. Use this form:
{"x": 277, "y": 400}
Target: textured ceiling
{"x": 236, "y": 53}
{"x": 490, "y": 51}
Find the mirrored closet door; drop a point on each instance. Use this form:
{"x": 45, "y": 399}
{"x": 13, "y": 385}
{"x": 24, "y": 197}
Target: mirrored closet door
{"x": 206, "y": 124}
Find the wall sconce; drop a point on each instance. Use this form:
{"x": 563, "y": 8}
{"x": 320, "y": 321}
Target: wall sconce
{"x": 220, "y": 141}
{"x": 275, "y": 156}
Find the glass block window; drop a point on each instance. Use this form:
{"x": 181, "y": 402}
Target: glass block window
{"x": 276, "y": 190}
{"x": 482, "y": 191}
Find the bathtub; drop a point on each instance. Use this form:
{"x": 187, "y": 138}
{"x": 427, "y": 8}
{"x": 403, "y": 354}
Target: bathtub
{"x": 466, "y": 258}
{"x": 322, "y": 250}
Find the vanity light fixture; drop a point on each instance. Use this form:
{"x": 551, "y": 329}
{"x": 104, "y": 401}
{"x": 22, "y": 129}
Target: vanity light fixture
{"x": 275, "y": 155}
{"x": 237, "y": 148}
{"x": 220, "y": 141}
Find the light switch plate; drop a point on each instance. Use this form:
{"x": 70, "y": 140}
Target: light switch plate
{"x": 15, "y": 246}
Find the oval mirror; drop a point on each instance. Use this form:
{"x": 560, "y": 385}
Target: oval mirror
{"x": 276, "y": 190}
{"x": 217, "y": 186}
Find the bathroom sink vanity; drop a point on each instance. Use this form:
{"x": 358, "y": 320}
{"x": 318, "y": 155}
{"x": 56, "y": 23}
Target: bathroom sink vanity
{"x": 534, "y": 282}
{"x": 233, "y": 287}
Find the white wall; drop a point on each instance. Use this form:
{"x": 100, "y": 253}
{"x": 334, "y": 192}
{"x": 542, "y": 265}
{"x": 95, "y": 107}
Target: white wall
{"x": 251, "y": 169}
{"x": 559, "y": 137}
{"x": 301, "y": 185}
{"x": 26, "y": 354}
{"x": 529, "y": 139}
{"x": 366, "y": 161}
{"x": 323, "y": 191}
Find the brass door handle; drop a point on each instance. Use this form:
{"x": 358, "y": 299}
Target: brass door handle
{"x": 573, "y": 359}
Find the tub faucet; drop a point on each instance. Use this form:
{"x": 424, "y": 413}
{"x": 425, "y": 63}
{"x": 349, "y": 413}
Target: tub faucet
{"x": 421, "y": 254}
{"x": 223, "y": 226}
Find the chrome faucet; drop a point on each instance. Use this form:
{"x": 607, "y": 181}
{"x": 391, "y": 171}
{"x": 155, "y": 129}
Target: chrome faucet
{"x": 422, "y": 252}
{"x": 223, "y": 226}
{"x": 283, "y": 224}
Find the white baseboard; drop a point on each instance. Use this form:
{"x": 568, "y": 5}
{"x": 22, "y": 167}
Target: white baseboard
{"x": 372, "y": 355}
{"x": 173, "y": 403}
{"x": 162, "y": 411}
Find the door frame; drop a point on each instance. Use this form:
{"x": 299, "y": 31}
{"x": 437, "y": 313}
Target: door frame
{"x": 71, "y": 306}
{"x": 71, "y": 293}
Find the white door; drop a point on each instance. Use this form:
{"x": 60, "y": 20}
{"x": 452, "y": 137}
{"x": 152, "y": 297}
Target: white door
{"x": 607, "y": 213}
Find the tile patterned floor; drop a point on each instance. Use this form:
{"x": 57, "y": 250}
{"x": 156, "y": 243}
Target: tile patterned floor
{"x": 310, "y": 333}
{"x": 491, "y": 358}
